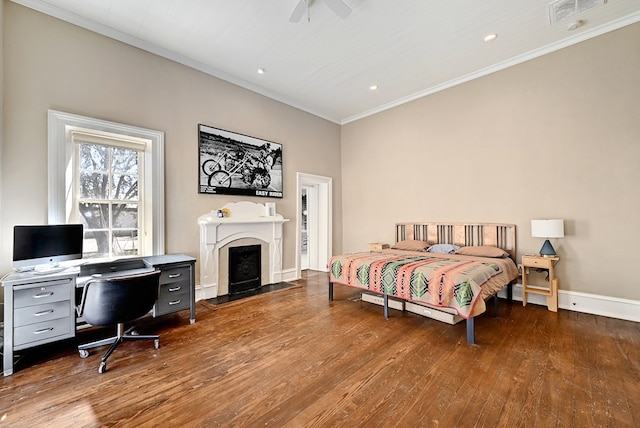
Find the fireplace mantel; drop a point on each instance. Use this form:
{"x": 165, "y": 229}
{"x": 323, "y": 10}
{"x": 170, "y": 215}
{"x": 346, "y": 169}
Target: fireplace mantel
{"x": 247, "y": 220}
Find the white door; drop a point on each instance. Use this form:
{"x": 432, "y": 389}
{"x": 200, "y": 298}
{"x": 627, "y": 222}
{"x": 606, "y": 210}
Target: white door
{"x": 315, "y": 192}
{"x": 304, "y": 229}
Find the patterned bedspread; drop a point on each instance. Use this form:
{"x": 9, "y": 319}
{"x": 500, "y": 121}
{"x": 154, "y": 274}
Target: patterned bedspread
{"x": 450, "y": 281}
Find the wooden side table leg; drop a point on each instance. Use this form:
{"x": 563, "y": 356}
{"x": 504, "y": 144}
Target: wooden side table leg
{"x": 552, "y": 299}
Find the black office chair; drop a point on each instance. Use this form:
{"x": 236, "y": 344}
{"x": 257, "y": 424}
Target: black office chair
{"x": 115, "y": 301}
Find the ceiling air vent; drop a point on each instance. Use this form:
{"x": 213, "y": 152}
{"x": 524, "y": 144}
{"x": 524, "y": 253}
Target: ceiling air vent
{"x": 561, "y": 10}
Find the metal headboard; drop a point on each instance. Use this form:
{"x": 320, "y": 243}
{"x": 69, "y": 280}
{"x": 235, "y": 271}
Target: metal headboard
{"x": 499, "y": 235}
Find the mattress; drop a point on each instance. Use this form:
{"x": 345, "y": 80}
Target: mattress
{"x": 458, "y": 282}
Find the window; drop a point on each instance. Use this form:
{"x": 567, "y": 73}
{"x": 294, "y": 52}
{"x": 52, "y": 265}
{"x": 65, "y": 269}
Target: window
{"x": 106, "y": 197}
{"x": 110, "y": 178}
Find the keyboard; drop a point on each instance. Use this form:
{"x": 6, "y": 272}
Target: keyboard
{"x": 81, "y": 280}
{"x": 48, "y": 270}
{"x": 113, "y": 268}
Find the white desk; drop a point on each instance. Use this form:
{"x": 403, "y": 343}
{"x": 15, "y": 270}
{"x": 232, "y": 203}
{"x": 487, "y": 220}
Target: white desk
{"x": 41, "y": 308}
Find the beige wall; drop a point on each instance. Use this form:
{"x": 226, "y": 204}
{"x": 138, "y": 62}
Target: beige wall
{"x": 558, "y": 136}
{"x": 50, "y": 64}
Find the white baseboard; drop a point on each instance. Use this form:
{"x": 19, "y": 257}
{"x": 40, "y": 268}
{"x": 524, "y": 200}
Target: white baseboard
{"x": 613, "y": 307}
{"x": 205, "y": 292}
{"x": 289, "y": 275}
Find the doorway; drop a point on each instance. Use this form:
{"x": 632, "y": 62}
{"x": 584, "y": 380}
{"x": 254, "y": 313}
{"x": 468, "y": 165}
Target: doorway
{"x": 304, "y": 229}
{"x": 314, "y": 227}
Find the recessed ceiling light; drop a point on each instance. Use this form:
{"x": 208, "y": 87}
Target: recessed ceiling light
{"x": 373, "y": 87}
{"x": 261, "y": 71}
{"x": 490, "y": 37}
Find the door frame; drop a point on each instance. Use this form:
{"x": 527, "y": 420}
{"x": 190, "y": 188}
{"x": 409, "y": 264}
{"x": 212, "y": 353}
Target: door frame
{"x": 325, "y": 228}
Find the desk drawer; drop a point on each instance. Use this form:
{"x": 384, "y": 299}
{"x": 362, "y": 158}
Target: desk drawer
{"x": 42, "y": 332}
{"x": 176, "y": 274}
{"x": 173, "y": 297}
{"x": 47, "y": 292}
{"x": 172, "y": 290}
{"x": 41, "y": 313}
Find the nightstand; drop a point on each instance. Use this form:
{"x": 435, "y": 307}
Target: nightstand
{"x": 377, "y": 246}
{"x": 551, "y": 291}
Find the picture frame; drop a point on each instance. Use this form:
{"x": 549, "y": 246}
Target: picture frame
{"x": 235, "y": 164}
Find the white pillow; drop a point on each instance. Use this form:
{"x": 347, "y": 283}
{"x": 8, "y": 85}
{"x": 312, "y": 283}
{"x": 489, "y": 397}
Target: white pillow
{"x": 443, "y": 248}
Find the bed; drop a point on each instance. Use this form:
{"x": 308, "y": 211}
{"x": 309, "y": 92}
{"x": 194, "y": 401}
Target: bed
{"x": 421, "y": 270}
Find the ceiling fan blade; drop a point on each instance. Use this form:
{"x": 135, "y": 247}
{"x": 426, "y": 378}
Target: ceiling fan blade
{"x": 339, "y": 7}
{"x": 298, "y": 11}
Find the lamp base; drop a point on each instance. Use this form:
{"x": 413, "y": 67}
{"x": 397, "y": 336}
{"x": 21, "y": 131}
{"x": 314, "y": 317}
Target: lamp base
{"x": 547, "y": 249}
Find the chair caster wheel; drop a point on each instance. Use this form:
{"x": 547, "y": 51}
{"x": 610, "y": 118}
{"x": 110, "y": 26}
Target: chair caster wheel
{"x": 156, "y": 343}
{"x": 83, "y": 353}
{"x": 102, "y": 368}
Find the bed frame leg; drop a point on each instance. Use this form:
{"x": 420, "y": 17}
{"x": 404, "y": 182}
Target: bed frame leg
{"x": 331, "y": 291}
{"x": 495, "y": 305}
{"x": 386, "y": 306}
{"x": 510, "y": 291}
{"x": 471, "y": 337}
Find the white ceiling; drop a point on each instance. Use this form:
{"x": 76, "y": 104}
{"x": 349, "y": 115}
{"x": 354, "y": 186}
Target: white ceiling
{"x": 325, "y": 66}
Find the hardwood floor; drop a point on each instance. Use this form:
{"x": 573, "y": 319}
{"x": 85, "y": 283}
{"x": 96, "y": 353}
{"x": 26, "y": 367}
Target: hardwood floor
{"x": 290, "y": 358}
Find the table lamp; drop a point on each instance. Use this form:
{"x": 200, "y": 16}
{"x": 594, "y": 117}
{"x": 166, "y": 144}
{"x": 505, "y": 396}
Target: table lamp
{"x": 547, "y": 228}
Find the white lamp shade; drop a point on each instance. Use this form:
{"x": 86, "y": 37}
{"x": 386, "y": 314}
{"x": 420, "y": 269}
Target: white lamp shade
{"x": 547, "y": 228}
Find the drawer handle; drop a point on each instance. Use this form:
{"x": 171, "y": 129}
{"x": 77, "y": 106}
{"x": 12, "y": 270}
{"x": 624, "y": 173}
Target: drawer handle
{"x": 44, "y": 330}
{"x": 174, "y": 289}
{"x": 40, "y": 295}
{"x": 175, "y": 302}
{"x": 41, "y": 313}
{"x": 174, "y": 275}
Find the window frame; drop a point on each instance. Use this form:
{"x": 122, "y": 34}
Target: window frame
{"x": 62, "y": 163}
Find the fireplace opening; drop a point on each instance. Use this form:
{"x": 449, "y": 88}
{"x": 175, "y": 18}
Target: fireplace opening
{"x": 244, "y": 268}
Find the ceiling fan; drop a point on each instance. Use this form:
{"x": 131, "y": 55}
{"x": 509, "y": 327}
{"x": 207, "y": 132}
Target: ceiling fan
{"x": 338, "y": 7}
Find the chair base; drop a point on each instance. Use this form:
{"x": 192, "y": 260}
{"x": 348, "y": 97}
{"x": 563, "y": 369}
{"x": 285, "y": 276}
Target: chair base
{"x": 122, "y": 335}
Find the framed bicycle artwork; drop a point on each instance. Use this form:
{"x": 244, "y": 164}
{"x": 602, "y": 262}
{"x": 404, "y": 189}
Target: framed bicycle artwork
{"x": 236, "y": 164}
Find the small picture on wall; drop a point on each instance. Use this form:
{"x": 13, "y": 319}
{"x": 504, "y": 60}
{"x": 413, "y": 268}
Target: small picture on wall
{"x": 236, "y": 164}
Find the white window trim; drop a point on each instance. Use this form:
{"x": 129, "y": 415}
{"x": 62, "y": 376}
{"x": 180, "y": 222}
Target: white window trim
{"x": 61, "y": 164}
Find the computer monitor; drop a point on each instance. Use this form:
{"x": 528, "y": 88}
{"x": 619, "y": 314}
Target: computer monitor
{"x": 46, "y": 245}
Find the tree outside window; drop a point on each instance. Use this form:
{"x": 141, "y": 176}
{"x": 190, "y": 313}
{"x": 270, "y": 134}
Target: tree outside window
{"x": 108, "y": 199}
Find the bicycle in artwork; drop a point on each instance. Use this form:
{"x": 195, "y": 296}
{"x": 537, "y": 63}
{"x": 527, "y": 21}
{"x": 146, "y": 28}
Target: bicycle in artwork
{"x": 252, "y": 169}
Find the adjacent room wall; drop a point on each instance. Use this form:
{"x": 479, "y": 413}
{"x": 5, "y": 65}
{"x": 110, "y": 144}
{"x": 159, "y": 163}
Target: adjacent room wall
{"x": 555, "y": 137}
{"x": 50, "y": 64}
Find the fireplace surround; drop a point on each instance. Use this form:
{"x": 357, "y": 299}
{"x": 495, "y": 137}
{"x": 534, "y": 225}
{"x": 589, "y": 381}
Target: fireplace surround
{"x": 247, "y": 224}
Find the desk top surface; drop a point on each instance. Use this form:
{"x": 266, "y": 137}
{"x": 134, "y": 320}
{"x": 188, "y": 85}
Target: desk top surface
{"x": 113, "y": 267}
